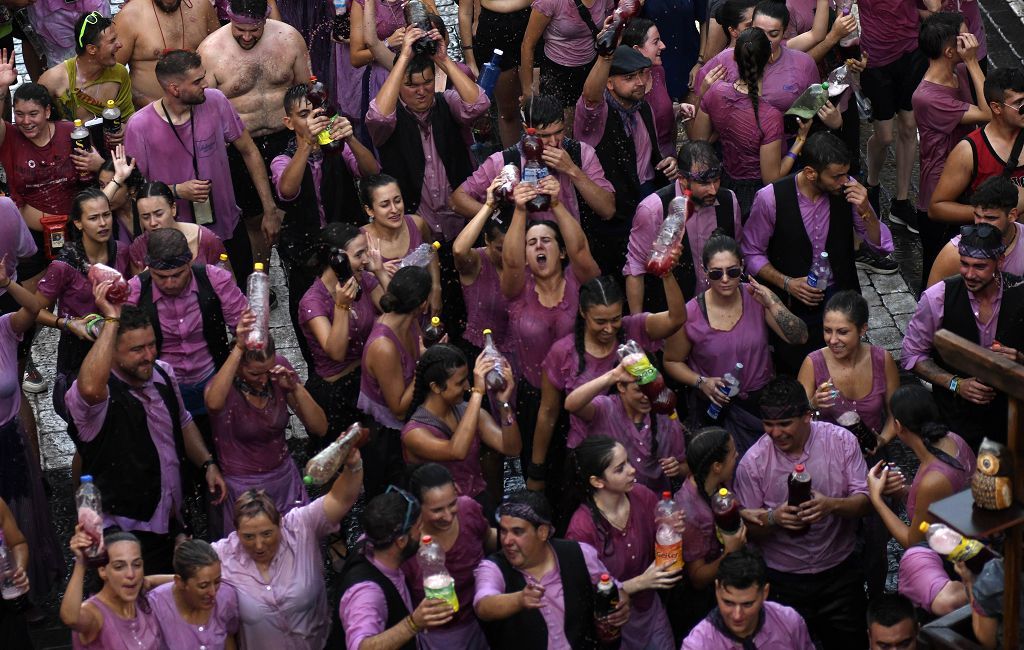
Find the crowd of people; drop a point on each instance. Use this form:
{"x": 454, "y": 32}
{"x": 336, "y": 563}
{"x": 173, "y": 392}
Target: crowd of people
{"x": 469, "y": 253}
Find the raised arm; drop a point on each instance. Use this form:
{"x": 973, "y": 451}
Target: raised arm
{"x": 425, "y": 445}
{"x": 664, "y": 324}
{"x": 576, "y": 246}
{"x": 387, "y": 96}
{"x": 513, "y": 252}
{"x": 345, "y": 489}
{"x": 535, "y": 28}
{"x": 578, "y": 402}
{"x": 818, "y": 31}
{"x": 467, "y": 260}
{"x": 217, "y": 391}
{"x": 83, "y": 619}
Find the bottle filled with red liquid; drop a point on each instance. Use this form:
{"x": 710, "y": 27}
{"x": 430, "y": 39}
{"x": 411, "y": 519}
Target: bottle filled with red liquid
{"x": 118, "y": 292}
{"x": 509, "y": 179}
{"x": 317, "y": 97}
{"x": 608, "y": 39}
{"x": 416, "y": 16}
{"x": 668, "y": 245}
{"x": 648, "y": 379}
{"x": 726, "y": 511}
{"x": 606, "y": 600}
{"x": 534, "y": 170}
{"x": 799, "y": 491}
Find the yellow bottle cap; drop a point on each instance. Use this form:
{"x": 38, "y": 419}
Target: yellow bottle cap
{"x": 924, "y": 527}
{"x": 258, "y": 266}
{"x": 487, "y": 331}
{"x": 223, "y": 257}
{"x": 435, "y": 321}
{"x": 110, "y": 103}
{"x": 436, "y": 245}
{"x": 723, "y": 492}
{"x": 78, "y": 123}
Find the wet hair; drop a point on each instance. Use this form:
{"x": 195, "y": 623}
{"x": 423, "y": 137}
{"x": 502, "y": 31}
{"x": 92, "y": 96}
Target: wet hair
{"x": 743, "y": 569}
{"x": 371, "y": 184}
{"x": 708, "y": 446}
{"x": 697, "y": 153}
{"x": 155, "y": 189}
{"x": 784, "y": 392}
{"x": 167, "y": 244}
{"x": 593, "y": 457}
{"x": 436, "y": 22}
{"x": 77, "y": 204}
{"x": 384, "y": 516}
{"x": 116, "y": 536}
{"x": 720, "y": 243}
{"x": 256, "y": 9}
{"x": 773, "y": 9}
{"x": 259, "y": 355}
{"x": 997, "y": 83}
{"x": 823, "y": 149}
{"x": 889, "y": 609}
{"x": 602, "y": 291}
{"x": 294, "y": 96}
{"x": 409, "y": 288}
{"x": 543, "y": 110}
{"x": 133, "y": 318}
{"x": 995, "y": 193}
{"x": 851, "y": 305}
{"x": 914, "y": 406}
{"x": 436, "y": 366}
{"x": 429, "y": 476}
{"x": 418, "y": 64}
{"x": 752, "y": 52}
{"x": 253, "y": 503}
{"x": 88, "y": 33}
{"x": 33, "y": 92}
{"x": 334, "y": 238}
{"x": 192, "y": 555}
{"x": 495, "y": 227}
{"x": 939, "y": 31}
{"x": 730, "y": 14}
{"x": 134, "y": 181}
{"x": 554, "y": 228}
{"x": 635, "y": 33}
{"x": 175, "y": 64}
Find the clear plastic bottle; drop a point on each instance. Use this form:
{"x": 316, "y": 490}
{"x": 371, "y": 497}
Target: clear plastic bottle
{"x": 820, "y": 273}
{"x": 726, "y": 511}
{"x": 509, "y": 179}
{"x": 732, "y": 387}
{"x": 668, "y": 544}
{"x": 534, "y": 169}
{"x": 422, "y": 255}
{"x": 810, "y": 101}
{"x": 416, "y": 16}
{"x": 668, "y": 245}
{"x": 325, "y": 465}
{"x": 849, "y": 45}
{"x": 258, "y": 291}
{"x": 90, "y": 518}
{"x": 437, "y": 581}
{"x": 648, "y": 379}
{"x": 495, "y": 376}
{"x": 433, "y": 333}
{"x": 222, "y": 262}
{"x": 490, "y": 72}
{"x": 16, "y": 597}
{"x": 946, "y": 541}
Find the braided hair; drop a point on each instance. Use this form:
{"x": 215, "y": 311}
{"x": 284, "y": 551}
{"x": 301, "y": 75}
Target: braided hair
{"x": 708, "y": 446}
{"x": 601, "y": 291}
{"x": 914, "y": 407}
{"x": 593, "y": 457}
{"x": 436, "y": 366}
{"x": 752, "y": 52}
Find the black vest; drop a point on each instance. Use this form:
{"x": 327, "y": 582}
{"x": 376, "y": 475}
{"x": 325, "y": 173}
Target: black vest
{"x": 401, "y": 155}
{"x": 358, "y": 569}
{"x": 686, "y": 274}
{"x": 527, "y": 628}
{"x": 214, "y": 329}
{"x": 586, "y": 214}
{"x": 123, "y": 459}
{"x": 973, "y": 421}
{"x": 789, "y": 249}
{"x": 617, "y": 154}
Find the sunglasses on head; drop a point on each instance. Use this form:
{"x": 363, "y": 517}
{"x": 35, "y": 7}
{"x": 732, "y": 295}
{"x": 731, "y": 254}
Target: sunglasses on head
{"x": 410, "y": 503}
{"x": 979, "y": 229}
{"x": 733, "y": 272}
{"x": 709, "y": 175}
{"x": 91, "y": 19}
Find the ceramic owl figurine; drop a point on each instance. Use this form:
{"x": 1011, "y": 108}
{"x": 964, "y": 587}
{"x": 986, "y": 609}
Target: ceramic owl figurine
{"x": 992, "y": 483}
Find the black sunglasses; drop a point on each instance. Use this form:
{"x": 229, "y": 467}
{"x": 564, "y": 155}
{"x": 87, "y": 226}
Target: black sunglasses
{"x": 979, "y": 229}
{"x": 716, "y": 274}
{"x": 410, "y": 502}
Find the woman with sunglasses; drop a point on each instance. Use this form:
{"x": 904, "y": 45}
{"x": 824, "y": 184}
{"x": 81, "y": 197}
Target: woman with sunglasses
{"x": 726, "y": 324}
{"x": 616, "y": 516}
{"x": 274, "y": 563}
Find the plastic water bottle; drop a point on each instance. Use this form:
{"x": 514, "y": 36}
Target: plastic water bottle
{"x": 489, "y": 75}
{"x": 668, "y": 544}
{"x": 946, "y": 541}
{"x": 668, "y": 245}
{"x": 437, "y": 582}
{"x": 16, "y": 597}
{"x": 324, "y": 466}
{"x": 495, "y": 376}
{"x": 222, "y": 262}
{"x": 849, "y": 45}
{"x": 90, "y": 518}
{"x": 422, "y": 255}
{"x": 648, "y": 379}
{"x": 732, "y": 387}
{"x": 810, "y": 101}
{"x": 821, "y": 273}
{"x": 416, "y": 16}
{"x": 726, "y": 511}
{"x": 534, "y": 170}
{"x": 258, "y": 292}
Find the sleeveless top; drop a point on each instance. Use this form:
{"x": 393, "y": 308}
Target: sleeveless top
{"x": 318, "y": 301}
{"x": 415, "y": 238}
{"x": 870, "y": 408}
{"x": 986, "y": 163}
{"x": 76, "y": 97}
{"x": 486, "y": 306}
{"x": 534, "y": 328}
{"x": 958, "y": 478}
{"x": 467, "y": 473}
{"x": 371, "y": 399}
{"x": 139, "y": 633}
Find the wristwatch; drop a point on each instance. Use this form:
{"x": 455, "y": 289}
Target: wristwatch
{"x": 700, "y": 381}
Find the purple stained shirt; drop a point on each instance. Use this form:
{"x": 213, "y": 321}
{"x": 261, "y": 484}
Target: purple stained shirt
{"x": 10, "y": 387}
{"x": 490, "y": 582}
{"x": 921, "y": 576}
{"x": 700, "y": 540}
{"x": 647, "y": 221}
{"x": 801, "y": 17}
{"x": 436, "y": 190}
{"x": 589, "y": 127}
{"x": 888, "y": 30}
{"x": 468, "y": 474}
{"x": 181, "y": 322}
{"x": 871, "y": 408}
{"x": 476, "y": 185}
{"x": 89, "y": 420}
{"x": 568, "y": 40}
{"x": 415, "y": 238}
{"x": 363, "y": 609}
{"x": 17, "y": 242}
{"x": 533, "y": 328}
{"x": 627, "y": 553}
{"x": 486, "y": 306}
{"x": 784, "y": 79}
{"x": 160, "y": 156}
{"x": 815, "y": 214}
{"x": 664, "y": 113}
{"x": 139, "y": 633}
{"x": 732, "y": 117}
{"x": 938, "y": 110}
{"x": 783, "y": 628}
{"x": 832, "y": 457}
{"x": 371, "y": 399}
{"x": 71, "y": 289}
{"x": 179, "y": 633}
{"x": 279, "y": 163}
{"x": 1013, "y": 260}
{"x": 917, "y": 342}
{"x": 714, "y": 352}
{"x": 317, "y": 302}
{"x": 290, "y": 609}
{"x": 208, "y": 249}
{"x": 958, "y": 479}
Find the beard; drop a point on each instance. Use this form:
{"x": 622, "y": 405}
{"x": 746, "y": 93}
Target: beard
{"x": 167, "y": 8}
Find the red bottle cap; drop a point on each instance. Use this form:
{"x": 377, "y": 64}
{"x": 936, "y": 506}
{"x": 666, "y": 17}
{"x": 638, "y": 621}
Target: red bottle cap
{"x": 666, "y": 495}
{"x": 531, "y": 131}
{"x": 605, "y": 577}
{"x": 312, "y": 78}
{"x": 427, "y": 539}
{"x": 799, "y": 467}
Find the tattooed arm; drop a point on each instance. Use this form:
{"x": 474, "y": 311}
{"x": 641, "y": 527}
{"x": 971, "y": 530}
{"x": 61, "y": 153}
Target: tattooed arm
{"x": 779, "y": 318}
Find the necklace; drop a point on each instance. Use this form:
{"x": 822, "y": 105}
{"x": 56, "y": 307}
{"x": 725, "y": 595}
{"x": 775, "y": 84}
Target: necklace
{"x": 181, "y": 15}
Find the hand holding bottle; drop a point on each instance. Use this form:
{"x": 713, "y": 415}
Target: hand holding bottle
{"x": 736, "y": 541}
{"x": 245, "y": 324}
{"x": 432, "y": 612}
{"x": 81, "y": 541}
{"x": 817, "y": 508}
{"x": 483, "y": 365}
{"x": 712, "y": 389}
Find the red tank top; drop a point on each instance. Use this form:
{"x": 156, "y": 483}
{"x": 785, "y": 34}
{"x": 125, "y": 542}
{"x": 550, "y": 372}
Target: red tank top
{"x": 986, "y": 163}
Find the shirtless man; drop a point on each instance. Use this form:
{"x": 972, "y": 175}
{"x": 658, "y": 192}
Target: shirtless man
{"x": 148, "y": 28}
{"x": 253, "y": 61}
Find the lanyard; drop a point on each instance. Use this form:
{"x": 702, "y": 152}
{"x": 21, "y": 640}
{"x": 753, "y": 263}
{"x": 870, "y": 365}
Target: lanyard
{"x": 191, "y": 123}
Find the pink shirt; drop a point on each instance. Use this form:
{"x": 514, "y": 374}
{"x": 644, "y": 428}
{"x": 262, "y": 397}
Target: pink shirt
{"x": 958, "y": 479}
{"x": 801, "y": 17}
{"x": 363, "y": 609}
{"x": 833, "y": 459}
{"x": 139, "y": 633}
{"x": 714, "y": 352}
{"x": 568, "y": 41}
{"x": 16, "y": 240}
{"x": 290, "y": 609}
{"x": 10, "y": 386}
{"x": 486, "y": 306}
{"x": 700, "y": 541}
{"x": 917, "y": 343}
{"x": 181, "y": 322}
{"x": 888, "y": 29}
{"x": 783, "y": 628}
{"x": 533, "y": 328}
{"x": 490, "y": 582}
{"x": 371, "y": 399}
{"x": 208, "y": 249}
{"x": 89, "y": 420}
{"x": 732, "y": 117}
{"x": 160, "y": 156}
{"x": 938, "y": 110}
{"x": 784, "y": 79}
{"x": 589, "y": 127}
{"x": 318, "y": 301}
{"x": 436, "y": 189}
{"x": 815, "y": 214}
{"x": 179, "y": 633}
{"x": 922, "y": 576}
{"x": 71, "y": 289}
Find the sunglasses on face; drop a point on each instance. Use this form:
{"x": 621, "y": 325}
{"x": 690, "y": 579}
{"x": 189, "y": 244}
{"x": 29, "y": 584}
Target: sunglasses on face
{"x": 1019, "y": 108}
{"x": 716, "y": 274}
{"x": 709, "y": 175}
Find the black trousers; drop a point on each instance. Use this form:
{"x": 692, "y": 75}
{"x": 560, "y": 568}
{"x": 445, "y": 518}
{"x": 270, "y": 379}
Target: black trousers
{"x": 239, "y": 252}
{"x": 832, "y": 603}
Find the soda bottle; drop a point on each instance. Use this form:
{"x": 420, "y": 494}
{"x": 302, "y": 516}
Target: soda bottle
{"x": 422, "y": 255}
{"x": 821, "y": 272}
{"x": 90, "y": 518}
{"x": 325, "y": 465}
{"x": 668, "y": 245}
{"x": 317, "y": 97}
{"x": 16, "y": 597}
{"x": 80, "y": 142}
{"x": 118, "y": 292}
{"x": 810, "y": 101}
{"x": 495, "y": 376}
{"x": 416, "y": 16}
{"x": 341, "y": 28}
{"x": 849, "y": 45}
{"x": 799, "y": 491}
{"x": 509, "y": 179}
{"x": 535, "y": 169}
{"x": 606, "y": 600}
{"x": 111, "y": 119}
{"x": 732, "y": 387}
{"x": 433, "y": 333}
{"x": 489, "y": 75}
{"x": 648, "y": 379}
{"x": 222, "y": 262}
{"x": 437, "y": 582}
{"x": 258, "y": 292}
{"x": 726, "y": 511}
{"x": 608, "y": 39}
{"x": 946, "y": 541}
{"x": 668, "y": 544}
{"x": 846, "y": 416}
